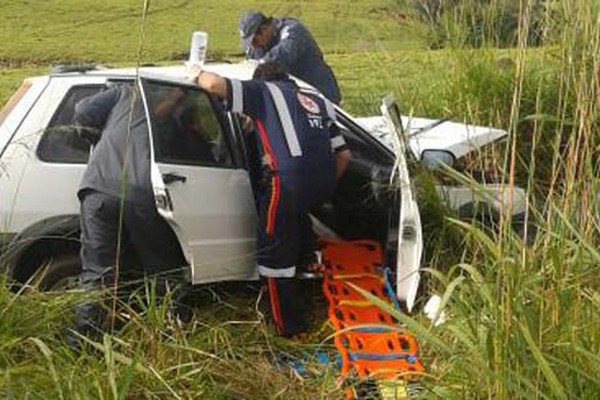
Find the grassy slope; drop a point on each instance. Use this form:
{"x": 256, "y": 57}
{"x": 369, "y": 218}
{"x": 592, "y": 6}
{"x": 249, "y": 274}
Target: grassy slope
{"x": 109, "y": 31}
{"x": 38, "y": 34}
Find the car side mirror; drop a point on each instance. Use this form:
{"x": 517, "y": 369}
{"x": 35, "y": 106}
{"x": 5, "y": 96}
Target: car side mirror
{"x": 432, "y": 159}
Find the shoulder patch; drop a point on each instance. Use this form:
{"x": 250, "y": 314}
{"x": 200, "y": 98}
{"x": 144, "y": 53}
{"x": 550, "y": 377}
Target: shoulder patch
{"x": 308, "y": 104}
{"x": 285, "y": 32}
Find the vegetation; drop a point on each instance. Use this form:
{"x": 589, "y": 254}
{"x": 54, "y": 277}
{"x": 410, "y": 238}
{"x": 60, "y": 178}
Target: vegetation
{"x": 477, "y": 23}
{"x": 523, "y": 318}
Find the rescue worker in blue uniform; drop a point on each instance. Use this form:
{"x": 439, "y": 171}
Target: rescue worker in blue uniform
{"x": 302, "y": 152}
{"x": 287, "y": 41}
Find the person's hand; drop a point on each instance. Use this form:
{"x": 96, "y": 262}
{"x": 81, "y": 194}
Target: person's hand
{"x": 212, "y": 83}
{"x": 197, "y": 79}
{"x": 193, "y": 71}
{"x": 247, "y": 123}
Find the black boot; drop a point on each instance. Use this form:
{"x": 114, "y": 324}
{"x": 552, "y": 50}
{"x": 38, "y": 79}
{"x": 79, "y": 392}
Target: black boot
{"x": 88, "y": 323}
{"x": 90, "y": 316}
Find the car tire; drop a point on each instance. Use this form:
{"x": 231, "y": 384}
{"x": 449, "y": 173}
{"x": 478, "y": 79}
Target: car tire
{"x": 57, "y": 272}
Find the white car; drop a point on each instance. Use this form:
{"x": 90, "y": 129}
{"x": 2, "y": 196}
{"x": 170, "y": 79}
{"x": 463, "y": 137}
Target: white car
{"x": 206, "y": 197}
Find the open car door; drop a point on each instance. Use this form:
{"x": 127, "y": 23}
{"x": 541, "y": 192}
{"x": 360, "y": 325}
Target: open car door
{"x": 200, "y": 187}
{"x": 410, "y": 236}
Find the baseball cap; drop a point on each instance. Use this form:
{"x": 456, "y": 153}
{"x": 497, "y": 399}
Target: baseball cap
{"x": 249, "y": 23}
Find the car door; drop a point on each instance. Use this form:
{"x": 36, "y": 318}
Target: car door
{"x": 200, "y": 185}
{"x": 410, "y": 236}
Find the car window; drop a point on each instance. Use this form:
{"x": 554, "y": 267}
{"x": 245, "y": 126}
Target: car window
{"x": 60, "y": 142}
{"x": 185, "y": 126}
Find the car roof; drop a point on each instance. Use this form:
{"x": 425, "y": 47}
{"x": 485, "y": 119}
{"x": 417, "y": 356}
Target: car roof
{"x": 240, "y": 70}
{"x": 243, "y": 70}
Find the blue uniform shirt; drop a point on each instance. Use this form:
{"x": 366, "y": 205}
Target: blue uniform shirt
{"x": 297, "y": 131}
{"x": 295, "y": 48}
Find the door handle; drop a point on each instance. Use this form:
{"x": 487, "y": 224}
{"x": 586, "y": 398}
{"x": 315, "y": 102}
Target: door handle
{"x": 170, "y": 177}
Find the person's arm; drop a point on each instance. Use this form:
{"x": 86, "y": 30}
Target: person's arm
{"x": 340, "y": 150}
{"x": 240, "y": 96}
{"x": 92, "y": 112}
{"x": 213, "y": 84}
{"x": 342, "y": 158}
{"x": 293, "y": 43}
{"x": 338, "y": 143}
{"x": 254, "y": 53}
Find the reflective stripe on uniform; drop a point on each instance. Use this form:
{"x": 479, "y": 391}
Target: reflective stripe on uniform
{"x": 309, "y": 90}
{"x": 237, "y": 95}
{"x": 273, "y": 204}
{"x": 275, "y": 307}
{"x": 286, "y": 120}
{"x": 330, "y": 110}
{"x": 288, "y": 272}
{"x": 337, "y": 142}
{"x": 275, "y": 179}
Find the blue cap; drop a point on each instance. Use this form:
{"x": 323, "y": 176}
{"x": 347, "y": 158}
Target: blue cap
{"x": 249, "y": 23}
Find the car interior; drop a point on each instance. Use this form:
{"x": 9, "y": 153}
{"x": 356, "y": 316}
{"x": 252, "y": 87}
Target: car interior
{"x": 364, "y": 206}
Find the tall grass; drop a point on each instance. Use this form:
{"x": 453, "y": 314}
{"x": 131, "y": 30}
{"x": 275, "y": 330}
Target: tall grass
{"x": 524, "y": 318}
{"x": 227, "y": 352}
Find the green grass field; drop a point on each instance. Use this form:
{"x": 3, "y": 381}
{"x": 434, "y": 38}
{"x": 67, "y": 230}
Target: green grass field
{"x": 523, "y": 319}
{"x": 109, "y": 31}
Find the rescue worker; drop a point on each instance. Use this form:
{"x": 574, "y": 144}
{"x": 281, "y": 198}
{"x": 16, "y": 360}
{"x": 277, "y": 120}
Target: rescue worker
{"x": 117, "y": 201}
{"x": 287, "y": 41}
{"x": 300, "y": 146}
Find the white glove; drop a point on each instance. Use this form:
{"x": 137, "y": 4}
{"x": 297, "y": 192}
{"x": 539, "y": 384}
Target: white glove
{"x": 192, "y": 70}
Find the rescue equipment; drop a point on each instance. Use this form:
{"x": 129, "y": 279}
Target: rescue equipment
{"x": 370, "y": 341}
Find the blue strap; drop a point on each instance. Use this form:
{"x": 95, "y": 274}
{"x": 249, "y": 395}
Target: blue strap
{"x": 389, "y": 289}
{"x": 371, "y": 356}
{"x": 374, "y": 329}
{"x": 322, "y": 358}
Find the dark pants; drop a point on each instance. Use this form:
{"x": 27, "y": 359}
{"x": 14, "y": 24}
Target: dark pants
{"x": 106, "y": 231}
{"x": 284, "y": 241}
{"x": 288, "y": 305}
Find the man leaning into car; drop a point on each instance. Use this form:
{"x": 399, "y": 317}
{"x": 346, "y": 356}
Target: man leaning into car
{"x": 288, "y": 42}
{"x": 116, "y": 195}
{"x": 302, "y": 151}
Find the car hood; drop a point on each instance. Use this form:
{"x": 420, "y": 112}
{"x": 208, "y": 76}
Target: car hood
{"x": 433, "y": 134}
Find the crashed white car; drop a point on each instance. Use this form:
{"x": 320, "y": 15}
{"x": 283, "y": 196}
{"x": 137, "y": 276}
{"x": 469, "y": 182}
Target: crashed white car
{"x": 206, "y": 198}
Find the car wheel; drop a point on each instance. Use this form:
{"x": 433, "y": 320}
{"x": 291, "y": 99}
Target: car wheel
{"x": 57, "y": 272}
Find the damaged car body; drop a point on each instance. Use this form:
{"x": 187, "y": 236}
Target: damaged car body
{"x": 202, "y": 182}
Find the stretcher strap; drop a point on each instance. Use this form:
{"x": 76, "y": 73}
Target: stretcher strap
{"x": 371, "y": 356}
